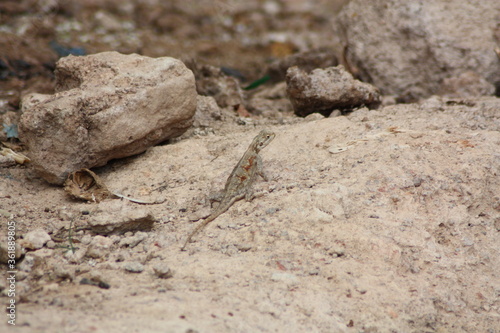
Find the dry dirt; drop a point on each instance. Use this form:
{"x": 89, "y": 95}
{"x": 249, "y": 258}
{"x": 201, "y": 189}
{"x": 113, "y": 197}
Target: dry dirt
{"x": 375, "y": 221}
{"x": 378, "y": 221}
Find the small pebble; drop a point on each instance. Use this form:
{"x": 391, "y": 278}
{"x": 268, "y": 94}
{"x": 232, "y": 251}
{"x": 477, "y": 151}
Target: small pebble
{"x": 162, "y": 271}
{"x": 133, "y": 241}
{"x": 336, "y": 251}
{"x": 133, "y": 267}
{"x": 36, "y": 239}
{"x": 287, "y": 278}
{"x": 99, "y": 247}
{"x": 86, "y": 239}
{"x": 93, "y": 282}
{"x": 244, "y": 247}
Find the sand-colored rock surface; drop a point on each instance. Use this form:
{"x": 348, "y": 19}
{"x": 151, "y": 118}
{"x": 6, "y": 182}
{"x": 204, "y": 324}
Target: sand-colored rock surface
{"x": 373, "y": 221}
{"x": 382, "y": 220}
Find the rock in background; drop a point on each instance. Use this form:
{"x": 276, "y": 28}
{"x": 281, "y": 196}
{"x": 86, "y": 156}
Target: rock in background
{"x": 307, "y": 61}
{"x": 324, "y": 90}
{"x": 408, "y": 48}
{"x": 212, "y": 81}
{"x": 106, "y": 106}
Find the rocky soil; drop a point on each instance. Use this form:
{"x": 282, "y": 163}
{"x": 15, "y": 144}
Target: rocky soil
{"x": 380, "y": 219}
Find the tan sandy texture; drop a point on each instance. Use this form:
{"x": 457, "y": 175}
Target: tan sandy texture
{"x": 378, "y": 221}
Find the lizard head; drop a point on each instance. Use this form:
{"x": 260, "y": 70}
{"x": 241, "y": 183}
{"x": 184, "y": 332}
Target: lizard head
{"x": 262, "y": 140}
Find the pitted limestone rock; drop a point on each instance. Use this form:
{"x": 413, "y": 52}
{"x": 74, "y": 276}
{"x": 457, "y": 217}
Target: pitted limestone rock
{"x": 106, "y": 106}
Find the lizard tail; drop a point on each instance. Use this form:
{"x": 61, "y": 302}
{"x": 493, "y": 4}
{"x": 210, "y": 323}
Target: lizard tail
{"x": 195, "y": 231}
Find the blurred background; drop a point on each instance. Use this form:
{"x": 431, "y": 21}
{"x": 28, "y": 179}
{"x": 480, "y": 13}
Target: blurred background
{"x": 244, "y": 36}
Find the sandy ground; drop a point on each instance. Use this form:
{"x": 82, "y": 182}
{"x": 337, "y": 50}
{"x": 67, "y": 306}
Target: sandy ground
{"x": 378, "y": 221}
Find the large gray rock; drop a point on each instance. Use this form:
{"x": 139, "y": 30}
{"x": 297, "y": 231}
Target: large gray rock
{"x": 106, "y": 106}
{"x": 407, "y": 48}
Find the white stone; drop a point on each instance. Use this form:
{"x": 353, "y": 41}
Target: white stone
{"x": 36, "y": 239}
{"x": 106, "y": 106}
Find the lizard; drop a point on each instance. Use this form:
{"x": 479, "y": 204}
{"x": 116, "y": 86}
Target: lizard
{"x": 239, "y": 182}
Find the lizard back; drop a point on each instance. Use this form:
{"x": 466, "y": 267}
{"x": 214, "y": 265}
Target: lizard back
{"x": 239, "y": 182}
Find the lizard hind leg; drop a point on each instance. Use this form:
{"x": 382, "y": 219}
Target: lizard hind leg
{"x": 215, "y": 197}
{"x": 253, "y": 195}
{"x": 249, "y": 195}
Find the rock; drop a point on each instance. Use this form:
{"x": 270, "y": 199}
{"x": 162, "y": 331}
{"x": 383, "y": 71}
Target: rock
{"x": 408, "y": 48}
{"x": 337, "y": 251}
{"x": 324, "y": 90}
{"x": 133, "y": 267}
{"x": 37, "y": 262}
{"x": 121, "y": 221}
{"x": 35, "y": 239}
{"x": 106, "y": 106}
{"x": 207, "y": 111}
{"x": 307, "y": 61}
{"x": 64, "y": 272}
{"x": 243, "y": 247}
{"x": 162, "y": 271}
{"x": 271, "y": 102}
{"x": 99, "y": 247}
{"x": 77, "y": 256}
{"x": 211, "y": 81}
{"x": 133, "y": 241}
{"x": 95, "y": 278}
{"x": 314, "y": 117}
{"x": 466, "y": 85}
{"x": 86, "y": 239}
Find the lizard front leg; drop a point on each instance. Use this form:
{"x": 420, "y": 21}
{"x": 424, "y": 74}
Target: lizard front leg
{"x": 215, "y": 197}
{"x": 260, "y": 169}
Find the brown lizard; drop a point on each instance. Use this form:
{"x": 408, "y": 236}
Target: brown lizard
{"x": 239, "y": 183}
